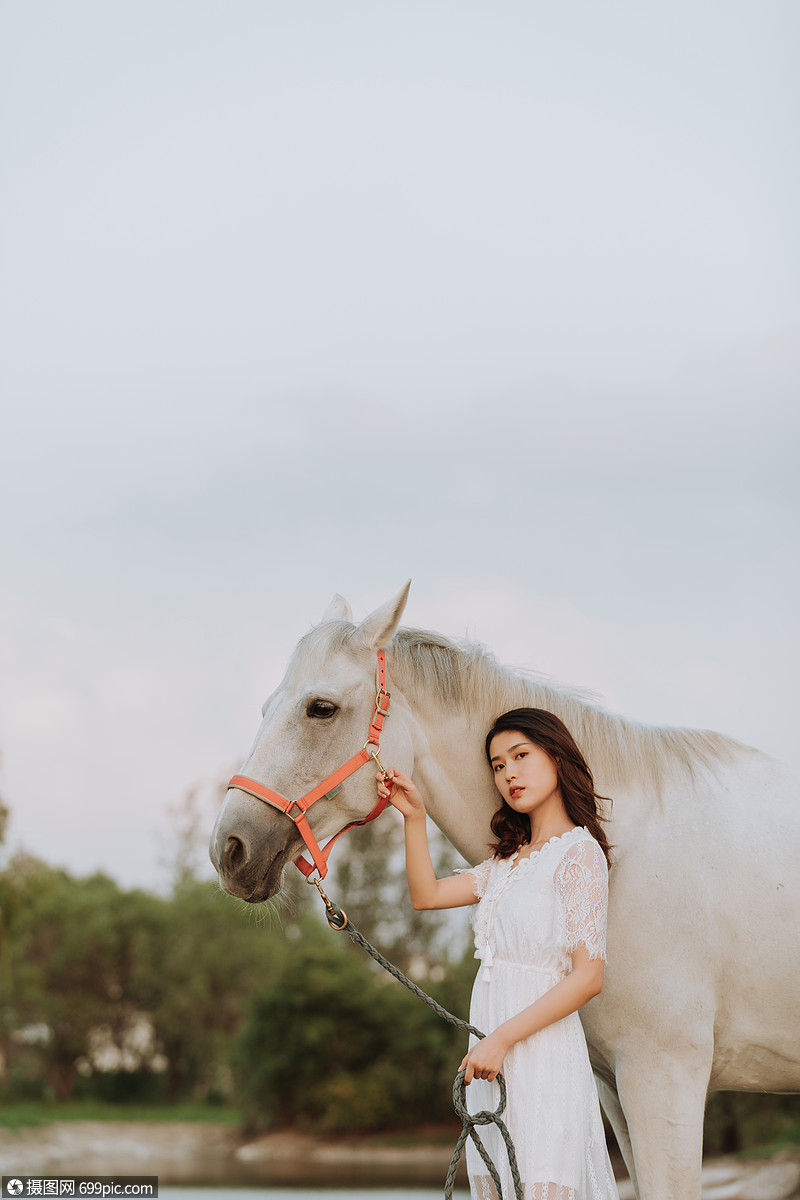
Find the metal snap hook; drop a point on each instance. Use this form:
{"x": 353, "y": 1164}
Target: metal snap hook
{"x": 336, "y": 917}
{"x": 375, "y": 754}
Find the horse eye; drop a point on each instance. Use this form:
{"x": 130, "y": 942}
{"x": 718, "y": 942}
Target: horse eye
{"x": 322, "y": 709}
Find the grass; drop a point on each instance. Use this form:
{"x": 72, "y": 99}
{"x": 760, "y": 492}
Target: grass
{"x": 788, "y": 1139}
{"x": 15, "y": 1114}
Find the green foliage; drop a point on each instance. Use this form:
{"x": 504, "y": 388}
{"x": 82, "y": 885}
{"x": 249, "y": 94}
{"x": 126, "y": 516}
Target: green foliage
{"x": 80, "y": 958}
{"x": 369, "y": 880}
{"x": 203, "y": 962}
{"x": 334, "y": 1045}
{"x": 17, "y": 1114}
{"x": 68, "y": 957}
{"x": 736, "y": 1121}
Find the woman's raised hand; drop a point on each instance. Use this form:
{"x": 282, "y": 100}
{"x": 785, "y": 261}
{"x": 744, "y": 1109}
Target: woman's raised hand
{"x": 402, "y": 793}
{"x": 424, "y": 889}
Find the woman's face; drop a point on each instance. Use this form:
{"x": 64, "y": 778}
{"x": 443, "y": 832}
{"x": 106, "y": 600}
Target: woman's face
{"x": 525, "y": 774}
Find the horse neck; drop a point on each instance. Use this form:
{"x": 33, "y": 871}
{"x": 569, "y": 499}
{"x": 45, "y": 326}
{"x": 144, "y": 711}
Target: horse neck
{"x": 450, "y": 772}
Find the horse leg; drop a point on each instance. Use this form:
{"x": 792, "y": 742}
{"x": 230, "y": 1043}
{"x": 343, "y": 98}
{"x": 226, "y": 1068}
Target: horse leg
{"x": 663, "y": 1096}
{"x": 613, "y": 1110}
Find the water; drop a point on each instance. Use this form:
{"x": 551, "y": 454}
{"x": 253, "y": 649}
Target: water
{"x": 268, "y": 1193}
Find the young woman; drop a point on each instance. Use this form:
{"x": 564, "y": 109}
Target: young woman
{"x": 540, "y": 926}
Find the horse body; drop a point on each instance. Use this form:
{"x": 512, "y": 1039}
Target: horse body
{"x": 704, "y": 943}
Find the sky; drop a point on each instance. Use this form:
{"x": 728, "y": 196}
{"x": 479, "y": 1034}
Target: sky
{"x": 300, "y": 298}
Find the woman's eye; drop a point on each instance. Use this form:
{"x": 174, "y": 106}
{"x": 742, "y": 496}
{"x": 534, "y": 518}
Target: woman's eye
{"x": 522, "y": 754}
{"x": 322, "y": 709}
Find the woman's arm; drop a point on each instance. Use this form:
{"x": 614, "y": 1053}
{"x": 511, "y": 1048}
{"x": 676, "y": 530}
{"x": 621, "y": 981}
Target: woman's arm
{"x": 586, "y": 980}
{"x": 425, "y": 890}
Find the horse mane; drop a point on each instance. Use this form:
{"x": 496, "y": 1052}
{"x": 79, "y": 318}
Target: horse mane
{"x": 467, "y": 674}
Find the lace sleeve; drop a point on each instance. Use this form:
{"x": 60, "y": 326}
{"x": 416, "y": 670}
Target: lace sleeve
{"x": 480, "y": 876}
{"x": 582, "y": 885}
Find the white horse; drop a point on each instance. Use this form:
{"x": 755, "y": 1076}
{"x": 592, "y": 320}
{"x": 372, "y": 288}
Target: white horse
{"x": 702, "y": 989}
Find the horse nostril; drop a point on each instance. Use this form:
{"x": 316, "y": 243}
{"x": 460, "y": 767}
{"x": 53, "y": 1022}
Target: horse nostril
{"x": 235, "y": 854}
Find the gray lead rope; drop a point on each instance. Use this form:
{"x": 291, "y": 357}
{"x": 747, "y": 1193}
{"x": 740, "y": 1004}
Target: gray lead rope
{"x": 337, "y": 919}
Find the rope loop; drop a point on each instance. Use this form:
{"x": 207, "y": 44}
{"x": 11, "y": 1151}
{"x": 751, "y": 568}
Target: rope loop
{"x": 484, "y": 1117}
{"x": 468, "y": 1122}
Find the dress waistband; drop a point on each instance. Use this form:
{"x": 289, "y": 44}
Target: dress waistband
{"x": 507, "y": 962}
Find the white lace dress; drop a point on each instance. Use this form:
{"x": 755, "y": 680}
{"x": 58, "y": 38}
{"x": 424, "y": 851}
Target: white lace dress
{"x": 531, "y": 915}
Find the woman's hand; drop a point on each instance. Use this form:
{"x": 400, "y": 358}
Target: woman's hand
{"x": 485, "y": 1059}
{"x": 402, "y": 793}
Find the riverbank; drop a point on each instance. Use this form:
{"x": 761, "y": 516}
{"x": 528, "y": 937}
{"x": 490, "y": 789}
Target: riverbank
{"x": 183, "y": 1153}
{"x": 215, "y": 1154}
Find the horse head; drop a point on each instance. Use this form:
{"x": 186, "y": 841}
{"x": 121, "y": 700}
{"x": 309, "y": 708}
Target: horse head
{"x": 314, "y": 722}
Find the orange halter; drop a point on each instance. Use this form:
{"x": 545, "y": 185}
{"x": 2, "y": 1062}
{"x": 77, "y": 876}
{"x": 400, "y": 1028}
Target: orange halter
{"x": 296, "y": 810}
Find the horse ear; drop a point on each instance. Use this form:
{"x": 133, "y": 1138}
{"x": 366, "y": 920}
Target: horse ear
{"x": 379, "y": 627}
{"x": 337, "y": 610}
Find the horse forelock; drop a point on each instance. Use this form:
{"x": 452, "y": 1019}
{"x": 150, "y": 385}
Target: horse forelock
{"x": 319, "y": 644}
{"x": 430, "y": 665}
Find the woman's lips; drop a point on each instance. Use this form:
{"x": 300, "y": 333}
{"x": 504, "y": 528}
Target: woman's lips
{"x": 514, "y": 792}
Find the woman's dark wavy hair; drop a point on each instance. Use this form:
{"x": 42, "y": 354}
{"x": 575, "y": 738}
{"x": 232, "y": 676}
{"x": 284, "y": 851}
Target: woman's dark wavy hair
{"x": 513, "y": 829}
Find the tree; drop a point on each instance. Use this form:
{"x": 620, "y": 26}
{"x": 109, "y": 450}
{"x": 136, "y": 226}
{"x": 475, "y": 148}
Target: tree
{"x": 332, "y": 1044}
{"x": 369, "y": 882}
{"x": 69, "y": 956}
{"x": 79, "y": 957}
{"x": 4, "y": 814}
{"x": 196, "y": 978}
